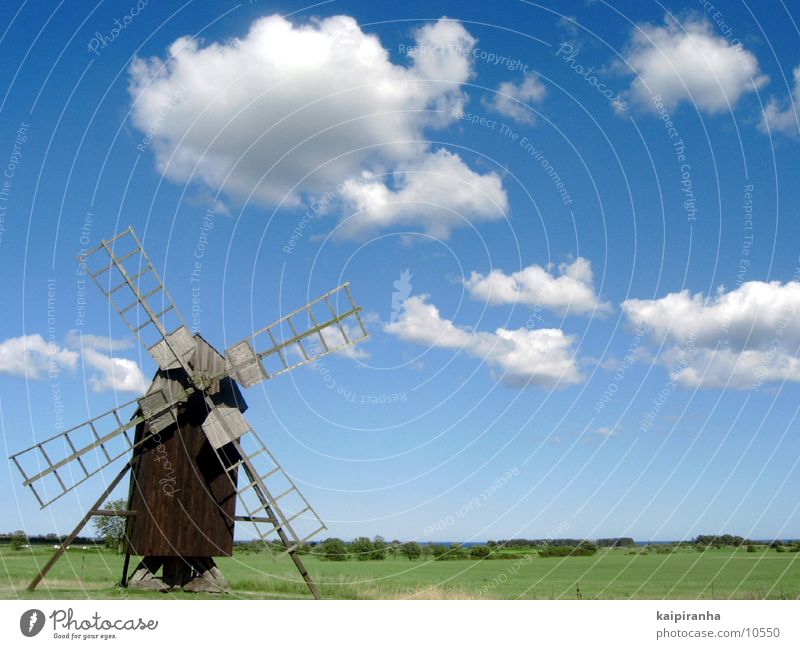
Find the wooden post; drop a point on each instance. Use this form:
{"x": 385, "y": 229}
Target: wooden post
{"x": 73, "y": 535}
{"x": 124, "y": 581}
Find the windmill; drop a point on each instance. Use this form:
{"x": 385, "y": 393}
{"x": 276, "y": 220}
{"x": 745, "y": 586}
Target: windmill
{"x": 192, "y": 455}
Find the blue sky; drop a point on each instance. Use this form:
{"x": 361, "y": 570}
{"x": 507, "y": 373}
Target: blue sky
{"x": 599, "y": 332}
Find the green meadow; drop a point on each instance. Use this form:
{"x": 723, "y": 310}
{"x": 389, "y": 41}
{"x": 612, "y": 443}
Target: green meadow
{"x": 683, "y": 573}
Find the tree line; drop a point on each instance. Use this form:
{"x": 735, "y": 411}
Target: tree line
{"x": 19, "y": 539}
{"x": 111, "y": 530}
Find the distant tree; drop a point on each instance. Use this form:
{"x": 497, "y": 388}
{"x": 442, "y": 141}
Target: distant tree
{"x": 333, "y": 549}
{"x": 584, "y": 549}
{"x": 112, "y": 528}
{"x": 439, "y": 552}
{"x": 18, "y": 540}
{"x": 411, "y": 550}
{"x": 394, "y": 548}
{"x": 457, "y": 551}
{"x": 248, "y": 547}
{"x": 480, "y": 551}
{"x": 621, "y": 542}
{"x": 361, "y": 548}
{"x": 720, "y": 541}
{"x": 379, "y": 548}
{"x": 751, "y": 547}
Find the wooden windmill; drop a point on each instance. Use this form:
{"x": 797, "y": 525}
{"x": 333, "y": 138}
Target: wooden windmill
{"x": 197, "y": 466}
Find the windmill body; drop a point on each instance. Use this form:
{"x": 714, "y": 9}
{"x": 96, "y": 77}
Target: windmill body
{"x": 185, "y": 502}
{"x": 197, "y": 466}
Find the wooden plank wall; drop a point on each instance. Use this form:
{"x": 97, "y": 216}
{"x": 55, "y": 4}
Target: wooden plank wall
{"x": 185, "y": 503}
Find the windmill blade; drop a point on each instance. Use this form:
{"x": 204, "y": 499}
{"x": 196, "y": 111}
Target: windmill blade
{"x": 269, "y": 498}
{"x": 58, "y": 464}
{"x": 323, "y": 326}
{"x": 122, "y": 270}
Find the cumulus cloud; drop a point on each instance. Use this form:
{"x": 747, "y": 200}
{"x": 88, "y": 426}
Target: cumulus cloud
{"x": 739, "y": 338}
{"x": 33, "y": 358}
{"x": 724, "y": 368}
{"x": 108, "y": 372}
{"x": 778, "y": 117}
{"x": 513, "y": 99}
{"x": 689, "y": 62}
{"x": 569, "y": 292}
{"x": 112, "y": 373}
{"x": 333, "y": 338}
{"x": 291, "y": 112}
{"x": 77, "y": 339}
{"x": 437, "y": 194}
{"x": 543, "y": 357}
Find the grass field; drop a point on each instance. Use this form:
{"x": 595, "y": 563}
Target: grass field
{"x": 610, "y": 574}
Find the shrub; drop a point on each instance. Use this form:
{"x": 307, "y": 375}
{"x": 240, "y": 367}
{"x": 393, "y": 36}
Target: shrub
{"x": 480, "y": 552}
{"x": 720, "y": 540}
{"x": 583, "y": 549}
{"x": 439, "y": 552}
{"x": 751, "y": 548}
{"x": 379, "y": 549}
{"x": 457, "y": 551}
{"x": 361, "y": 548}
{"x": 333, "y": 549}
{"x": 18, "y": 541}
{"x": 411, "y": 550}
{"x": 659, "y": 548}
{"x": 621, "y": 542}
{"x": 112, "y": 528}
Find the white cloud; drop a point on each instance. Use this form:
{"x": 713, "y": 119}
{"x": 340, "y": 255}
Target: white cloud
{"x": 783, "y": 119}
{"x": 291, "y": 112}
{"x": 438, "y": 193}
{"x": 112, "y": 373}
{"x": 607, "y": 431}
{"x": 689, "y": 62}
{"x": 746, "y": 317}
{"x": 334, "y": 338}
{"x": 78, "y": 339}
{"x": 569, "y": 292}
{"x": 740, "y": 338}
{"x": 513, "y": 100}
{"x": 721, "y": 368}
{"x": 543, "y": 357}
{"x": 32, "y": 357}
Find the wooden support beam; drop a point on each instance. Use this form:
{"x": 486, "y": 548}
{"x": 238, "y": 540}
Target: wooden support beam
{"x": 253, "y": 475}
{"x": 74, "y": 534}
{"x": 112, "y": 512}
{"x": 125, "y": 564}
{"x": 253, "y": 519}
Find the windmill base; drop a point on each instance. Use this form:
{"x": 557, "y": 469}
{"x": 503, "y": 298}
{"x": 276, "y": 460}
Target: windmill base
{"x": 190, "y": 574}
